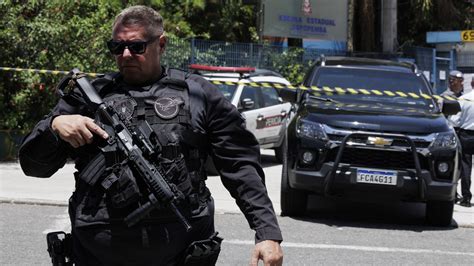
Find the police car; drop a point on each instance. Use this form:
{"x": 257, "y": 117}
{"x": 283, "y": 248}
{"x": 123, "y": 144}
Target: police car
{"x": 251, "y": 91}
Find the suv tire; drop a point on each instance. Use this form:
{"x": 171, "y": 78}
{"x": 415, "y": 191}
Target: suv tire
{"x": 439, "y": 213}
{"x": 292, "y": 201}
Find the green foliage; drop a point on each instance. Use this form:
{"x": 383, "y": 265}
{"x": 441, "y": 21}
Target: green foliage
{"x": 64, "y": 34}
{"x": 417, "y": 17}
{"x": 174, "y": 14}
{"x": 177, "y": 51}
{"x": 225, "y": 20}
{"x": 59, "y": 34}
{"x": 289, "y": 64}
{"x": 48, "y": 35}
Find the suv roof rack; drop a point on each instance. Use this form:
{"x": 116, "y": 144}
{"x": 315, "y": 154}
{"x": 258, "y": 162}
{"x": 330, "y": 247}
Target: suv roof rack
{"x": 412, "y": 65}
{"x": 351, "y": 60}
{"x": 322, "y": 57}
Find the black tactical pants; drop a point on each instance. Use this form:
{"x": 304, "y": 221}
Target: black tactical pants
{"x": 157, "y": 244}
{"x": 466, "y": 164}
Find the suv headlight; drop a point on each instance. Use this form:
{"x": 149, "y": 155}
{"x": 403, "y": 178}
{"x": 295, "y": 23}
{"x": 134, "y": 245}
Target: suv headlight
{"x": 311, "y": 130}
{"x": 444, "y": 140}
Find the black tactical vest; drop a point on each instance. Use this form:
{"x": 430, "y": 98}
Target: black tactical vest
{"x": 109, "y": 189}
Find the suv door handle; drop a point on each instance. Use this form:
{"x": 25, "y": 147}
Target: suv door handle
{"x": 283, "y": 113}
{"x": 260, "y": 117}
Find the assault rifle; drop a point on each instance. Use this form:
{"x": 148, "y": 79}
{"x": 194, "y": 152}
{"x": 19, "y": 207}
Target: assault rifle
{"x": 136, "y": 147}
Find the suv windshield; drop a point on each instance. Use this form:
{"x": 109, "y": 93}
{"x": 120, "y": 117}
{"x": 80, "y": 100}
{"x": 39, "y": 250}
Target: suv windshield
{"x": 371, "y": 79}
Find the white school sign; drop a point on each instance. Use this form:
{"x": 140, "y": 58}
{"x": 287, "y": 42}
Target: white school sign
{"x": 306, "y": 19}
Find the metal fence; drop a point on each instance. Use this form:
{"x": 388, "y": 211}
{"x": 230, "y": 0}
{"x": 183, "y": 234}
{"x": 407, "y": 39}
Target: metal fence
{"x": 465, "y": 61}
{"x": 435, "y": 66}
{"x": 181, "y": 53}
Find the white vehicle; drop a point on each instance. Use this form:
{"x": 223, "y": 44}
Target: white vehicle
{"x": 261, "y": 106}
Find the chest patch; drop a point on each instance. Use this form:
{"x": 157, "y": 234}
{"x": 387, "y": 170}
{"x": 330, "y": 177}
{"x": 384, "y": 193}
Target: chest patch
{"x": 167, "y": 108}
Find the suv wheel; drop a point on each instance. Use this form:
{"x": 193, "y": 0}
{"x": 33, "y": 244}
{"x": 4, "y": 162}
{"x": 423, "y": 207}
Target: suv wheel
{"x": 439, "y": 213}
{"x": 292, "y": 201}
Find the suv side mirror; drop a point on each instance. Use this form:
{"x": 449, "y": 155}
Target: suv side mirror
{"x": 450, "y": 107}
{"x": 247, "y": 104}
{"x": 288, "y": 95}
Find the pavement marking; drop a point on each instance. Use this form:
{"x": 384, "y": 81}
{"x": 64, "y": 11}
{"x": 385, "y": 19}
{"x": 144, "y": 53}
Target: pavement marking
{"x": 358, "y": 248}
{"x": 61, "y": 223}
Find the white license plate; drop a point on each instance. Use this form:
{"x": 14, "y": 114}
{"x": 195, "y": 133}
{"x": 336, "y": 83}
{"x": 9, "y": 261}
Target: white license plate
{"x": 372, "y": 176}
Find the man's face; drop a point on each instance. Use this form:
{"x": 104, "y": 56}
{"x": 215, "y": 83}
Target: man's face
{"x": 139, "y": 69}
{"x": 455, "y": 84}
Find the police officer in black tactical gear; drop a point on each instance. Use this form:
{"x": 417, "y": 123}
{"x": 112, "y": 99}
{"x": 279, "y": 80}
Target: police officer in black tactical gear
{"x": 190, "y": 119}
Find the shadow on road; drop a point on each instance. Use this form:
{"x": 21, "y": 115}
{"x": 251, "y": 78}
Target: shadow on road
{"x": 343, "y": 213}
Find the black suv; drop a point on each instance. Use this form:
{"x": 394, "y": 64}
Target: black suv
{"x": 370, "y": 129}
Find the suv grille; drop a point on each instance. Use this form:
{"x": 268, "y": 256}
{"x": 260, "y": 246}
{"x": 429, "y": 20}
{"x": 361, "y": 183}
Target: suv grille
{"x": 377, "y": 158}
{"x": 395, "y": 143}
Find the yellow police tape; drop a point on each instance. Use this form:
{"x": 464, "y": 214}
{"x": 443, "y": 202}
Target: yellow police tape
{"x": 337, "y": 90}
{"x": 43, "y": 71}
{"x": 314, "y": 89}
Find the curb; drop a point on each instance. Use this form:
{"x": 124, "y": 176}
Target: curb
{"x": 35, "y": 202}
{"x": 54, "y": 203}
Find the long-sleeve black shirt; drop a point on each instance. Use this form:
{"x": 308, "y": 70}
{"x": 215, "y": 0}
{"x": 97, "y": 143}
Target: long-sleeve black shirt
{"x": 234, "y": 149}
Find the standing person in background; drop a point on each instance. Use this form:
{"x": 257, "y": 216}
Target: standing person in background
{"x": 189, "y": 119}
{"x": 455, "y": 89}
{"x": 472, "y": 84}
{"x": 463, "y": 123}
{"x": 455, "y": 84}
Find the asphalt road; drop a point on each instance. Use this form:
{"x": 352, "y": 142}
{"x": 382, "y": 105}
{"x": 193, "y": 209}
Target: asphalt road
{"x": 333, "y": 232}
{"x": 308, "y": 241}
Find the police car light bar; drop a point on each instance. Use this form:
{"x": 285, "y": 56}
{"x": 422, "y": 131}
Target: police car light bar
{"x": 222, "y": 68}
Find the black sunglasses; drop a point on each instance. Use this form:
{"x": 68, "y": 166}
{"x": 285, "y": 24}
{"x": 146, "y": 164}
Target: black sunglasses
{"x": 135, "y": 47}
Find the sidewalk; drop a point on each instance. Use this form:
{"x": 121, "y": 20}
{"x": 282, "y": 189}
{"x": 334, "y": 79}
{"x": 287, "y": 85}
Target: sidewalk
{"x": 18, "y": 188}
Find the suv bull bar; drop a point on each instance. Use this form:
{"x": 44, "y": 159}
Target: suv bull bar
{"x": 328, "y": 181}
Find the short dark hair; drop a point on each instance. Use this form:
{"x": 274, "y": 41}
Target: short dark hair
{"x": 143, "y": 16}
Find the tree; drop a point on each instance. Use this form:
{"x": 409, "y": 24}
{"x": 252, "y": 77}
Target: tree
{"x": 225, "y": 20}
{"x": 50, "y": 35}
{"x": 176, "y": 15}
{"x": 416, "y": 17}
{"x": 62, "y": 35}
{"x": 364, "y": 36}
